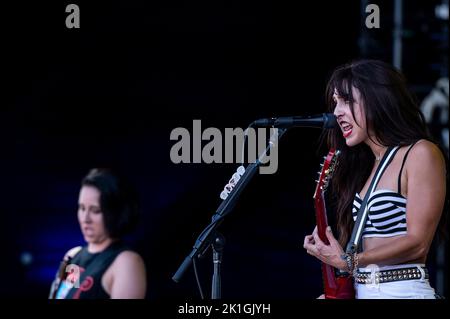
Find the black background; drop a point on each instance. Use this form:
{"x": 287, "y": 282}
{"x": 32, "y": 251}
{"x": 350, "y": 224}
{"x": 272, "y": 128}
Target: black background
{"x": 109, "y": 94}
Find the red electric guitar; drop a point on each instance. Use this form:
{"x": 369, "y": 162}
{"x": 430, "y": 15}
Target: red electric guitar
{"x": 336, "y": 287}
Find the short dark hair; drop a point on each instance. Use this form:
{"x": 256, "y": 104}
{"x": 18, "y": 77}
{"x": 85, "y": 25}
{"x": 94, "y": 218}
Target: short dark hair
{"x": 118, "y": 200}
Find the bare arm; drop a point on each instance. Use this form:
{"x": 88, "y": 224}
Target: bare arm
{"x": 425, "y": 171}
{"x": 426, "y": 184}
{"x": 129, "y": 277}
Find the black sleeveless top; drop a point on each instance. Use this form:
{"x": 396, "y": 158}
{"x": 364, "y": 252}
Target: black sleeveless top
{"x": 85, "y": 271}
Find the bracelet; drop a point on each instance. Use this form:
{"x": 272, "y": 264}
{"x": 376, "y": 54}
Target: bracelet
{"x": 348, "y": 259}
{"x": 352, "y": 261}
{"x": 355, "y": 264}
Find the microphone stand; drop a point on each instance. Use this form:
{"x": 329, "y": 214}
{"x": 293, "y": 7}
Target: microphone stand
{"x": 209, "y": 234}
{"x": 217, "y": 246}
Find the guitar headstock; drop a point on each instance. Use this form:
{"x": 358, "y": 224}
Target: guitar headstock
{"x": 327, "y": 169}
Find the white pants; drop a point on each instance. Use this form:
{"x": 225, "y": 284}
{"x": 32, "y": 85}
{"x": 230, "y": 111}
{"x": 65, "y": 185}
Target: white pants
{"x": 403, "y": 289}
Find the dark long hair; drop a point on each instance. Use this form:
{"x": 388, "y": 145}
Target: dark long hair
{"x": 392, "y": 115}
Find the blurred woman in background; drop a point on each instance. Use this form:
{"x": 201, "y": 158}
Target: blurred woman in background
{"x": 105, "y": 267}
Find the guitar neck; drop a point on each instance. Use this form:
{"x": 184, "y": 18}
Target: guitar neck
{"x": 321, "y": 218}
{"x": 328, "y": 274}
{"x": 335, "y": 287}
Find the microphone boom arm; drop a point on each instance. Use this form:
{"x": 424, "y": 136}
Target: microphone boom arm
{"x": 324, "y": 120}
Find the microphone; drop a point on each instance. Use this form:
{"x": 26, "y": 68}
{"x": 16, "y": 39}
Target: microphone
{"x": 325, "y": 120}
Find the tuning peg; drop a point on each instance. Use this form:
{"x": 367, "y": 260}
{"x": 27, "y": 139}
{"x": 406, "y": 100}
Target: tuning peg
{"x": 321, "y": 164}
{"x": 229, "y": 187}
{"x": 240, "y": 170}
{"x": 236, "y": 177}
{"x": 224, "y": 195}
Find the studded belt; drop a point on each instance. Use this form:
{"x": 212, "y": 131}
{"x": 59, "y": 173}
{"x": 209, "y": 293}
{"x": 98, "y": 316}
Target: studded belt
{"x": 407, "y": 273}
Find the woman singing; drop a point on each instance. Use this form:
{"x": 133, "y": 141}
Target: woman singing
{"x": 376, "y": 113}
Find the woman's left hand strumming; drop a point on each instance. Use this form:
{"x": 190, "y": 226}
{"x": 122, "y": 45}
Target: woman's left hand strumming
{"x": 329, "y": 254}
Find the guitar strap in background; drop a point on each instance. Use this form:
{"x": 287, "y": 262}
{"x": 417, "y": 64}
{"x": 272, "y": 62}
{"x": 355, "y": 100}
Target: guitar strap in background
{"x": 360, "y": 223}
{"x": 62, "y": 271}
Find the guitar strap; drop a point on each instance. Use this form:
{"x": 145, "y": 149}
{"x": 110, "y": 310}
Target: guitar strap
{"x": 62, "y": 271}
{"x": 360, "y": 223}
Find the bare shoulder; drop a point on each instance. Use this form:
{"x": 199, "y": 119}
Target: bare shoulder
{"x": 129, "y": 256}
{"x": 426, "y": 151}
{"x": 129, "y": 259}
{"x": 129, "y": 279}
{"x": 72, "y": 252}
{"x": 426, "y": 156}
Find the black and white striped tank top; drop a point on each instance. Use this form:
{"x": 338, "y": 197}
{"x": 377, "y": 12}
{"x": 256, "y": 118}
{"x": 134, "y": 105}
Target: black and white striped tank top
{"x": 387, "y": 213}
{"x": 386, "y": 210}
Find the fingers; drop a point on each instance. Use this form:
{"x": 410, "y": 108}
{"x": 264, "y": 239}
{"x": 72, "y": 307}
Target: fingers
{"x": 330, "y": 236}
{"x": 308, "y": 243}
{"x": 333, "y": 241}
{"x": 309, "y": 239}
{"x": 316, "y": 247}
{"x": 311, "y": 242}
{"x": 317, "y": 239}
{"x": 313, "y": 252}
